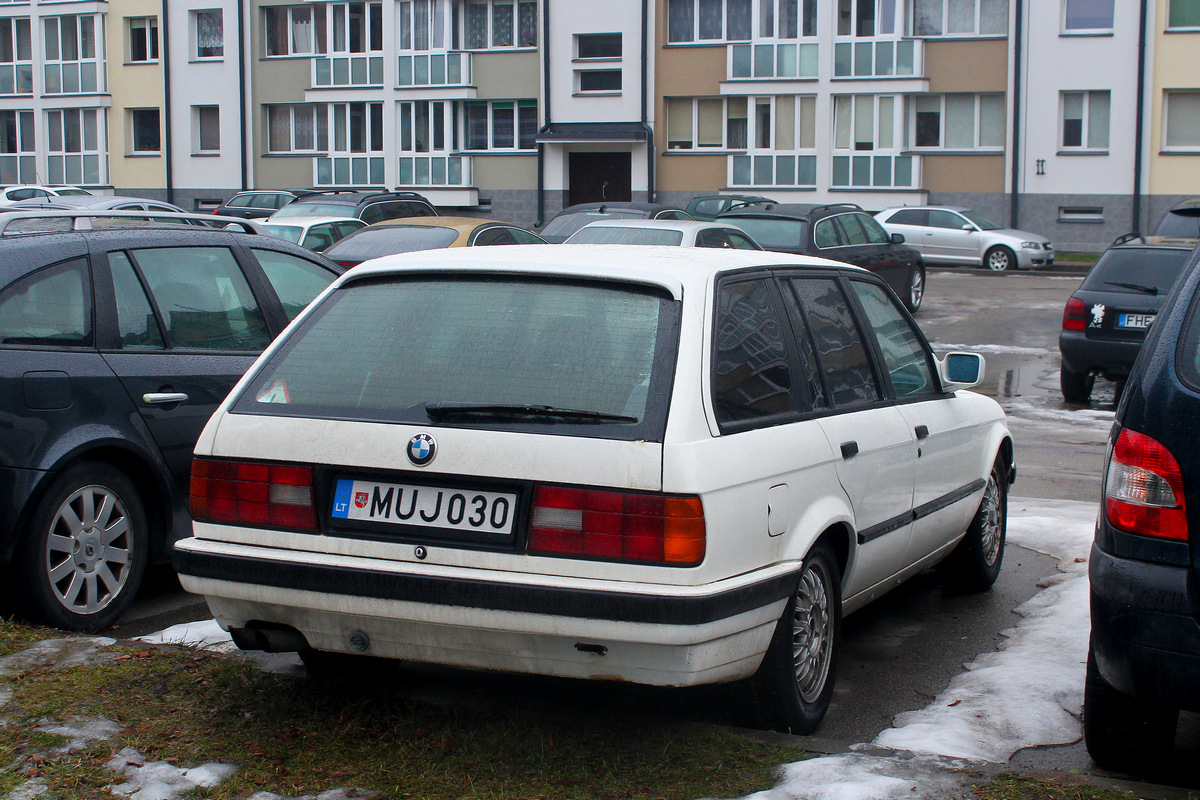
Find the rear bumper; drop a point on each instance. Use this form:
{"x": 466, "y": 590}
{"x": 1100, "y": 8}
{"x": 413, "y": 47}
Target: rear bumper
{"x": 574, "y": 629}
{"x": 1145, "y": 632}
{"x": 1113, "y": 359}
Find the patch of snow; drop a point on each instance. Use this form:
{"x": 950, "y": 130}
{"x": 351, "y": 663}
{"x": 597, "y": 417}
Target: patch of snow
{"x": 80, "y": 732}
{"x": 73, "y": 651}
{"x": 160, "y": 780}
{"x": 29, "y": 790}
{"x": 204, "y": 633}
{"x": 857, "y": 776}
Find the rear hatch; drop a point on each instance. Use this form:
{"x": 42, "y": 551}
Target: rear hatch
{"x": 1124, "y": 291}
{"x": 453, "y": 410}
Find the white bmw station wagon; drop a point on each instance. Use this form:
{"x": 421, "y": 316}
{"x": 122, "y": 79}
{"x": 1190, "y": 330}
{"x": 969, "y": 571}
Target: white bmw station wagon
{"x": 671, "y": 466}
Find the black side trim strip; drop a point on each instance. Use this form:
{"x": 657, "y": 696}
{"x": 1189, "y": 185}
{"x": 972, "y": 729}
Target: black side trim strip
{"x": 933, "y": 506}
{"x": 923, "y": 510}
{"x": 616, "y": 606}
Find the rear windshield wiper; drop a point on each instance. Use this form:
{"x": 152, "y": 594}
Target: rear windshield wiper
{"x": 1137, "y": 287}
{"x": 438, "y": 410}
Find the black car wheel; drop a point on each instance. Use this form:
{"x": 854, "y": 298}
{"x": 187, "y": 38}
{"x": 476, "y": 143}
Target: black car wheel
{"x": 974, "y": 564}
{"x": 999, "y": 259}
{"x": 80, "y": 563}
{"x": 794, "y": 683}
{"x": 1076, "y": 386}
{"x": 916, "y": 289}
{"x": 1123, "y": 732}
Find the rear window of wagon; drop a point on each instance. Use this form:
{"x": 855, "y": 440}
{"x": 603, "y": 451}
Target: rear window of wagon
{"x": 381, "y": 349}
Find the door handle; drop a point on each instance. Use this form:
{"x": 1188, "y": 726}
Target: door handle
{"x": 164, "y": 398}
{"x": 922, "y": 432}
{"x": 849, "y": 449}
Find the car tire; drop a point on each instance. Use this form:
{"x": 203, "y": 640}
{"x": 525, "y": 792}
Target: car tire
{"x": 1076, "y": 386}
{"x": 999, "y": 259}
{"x": 81, "y": 561}
{"x": 794, "y": 683}
{"x": 1122, "y": 732}
{"x": 974, "y": 564}
{"x": 916, "y": 289}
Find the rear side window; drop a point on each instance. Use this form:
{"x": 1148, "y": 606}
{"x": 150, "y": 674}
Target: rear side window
{"x": 136, "y": 322}
{"x": 773, "y": 233}
{"x": 910, "y": 216}
{"x": 1136, "y": 270}
{"x": 1185, "y": 226}
{"x": 53, "y": 306}
{"x": 296, "y": 281}
{"x": 751, "y": 375}
{"x": 387, "y": 350}
{"x": 845, "y": 366}
{"x": 203, "y": 298}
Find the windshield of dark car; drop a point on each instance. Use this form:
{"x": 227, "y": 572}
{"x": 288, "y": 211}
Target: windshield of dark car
{"x": 981, "y": 222}
{"x": 772, "y": 232}
{"x": 387, "y": 240}
{"x": 380, "y": 350}
{"x": 1155, "y": 268}
{"x": 316, "y": 210}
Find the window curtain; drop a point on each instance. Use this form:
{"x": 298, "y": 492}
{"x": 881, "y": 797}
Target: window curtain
{"x": 210, "y": 33}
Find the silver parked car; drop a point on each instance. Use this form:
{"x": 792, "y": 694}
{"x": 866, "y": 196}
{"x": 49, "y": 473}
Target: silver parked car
{"x": 957, "y": 235}
{"x": 678, "y": 232}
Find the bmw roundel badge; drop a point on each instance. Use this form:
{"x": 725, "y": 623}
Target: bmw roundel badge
{"x": 421, "y": 449}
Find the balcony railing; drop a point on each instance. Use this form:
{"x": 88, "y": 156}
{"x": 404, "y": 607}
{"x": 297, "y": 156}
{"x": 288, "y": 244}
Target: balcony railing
{"x": 772, "y": 169}
{"x": 348, "y": 170}
{"x": 772, "y": 60}
{"x": 434, "y": 171}
{"x": 434, "y": 69}
{"x": 875, "y": 171}
{"x": 876, "y": 58}
{"x": 347, "y": 71}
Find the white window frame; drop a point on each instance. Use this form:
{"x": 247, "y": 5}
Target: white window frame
{"x": 196, "y": 17}
{"x": 579, "y": 79}
{"x": 423, "y": 26}
{"x": 495, "y": 35}
{"x": 20, "y": 163}
{"x": 886, "y": 21}
{"x": 92, "y": 24}
{"x": 1092, "y": 30}
{"x": 1186, "y": 119}
{"x": 528, "y": 106}
{"x": 337, "y": 16}
{"x": 69, "y": 136}
{"x": 947, "y": 17}
{"x": 131, "y": 131}
{"x": 296, "y": 18}
{"x": 803, "y": 127}
{"x": 981, "y": 104}
{"x": 143, "y": 30}
{"x": 313, "y": 116}
{"x": 1087, "y": 134}
{"x": 17, "y": 68}
{"x": 432, "y": 119}
{"x": 198, "y": 126}
{"x": 1194, "y": 12}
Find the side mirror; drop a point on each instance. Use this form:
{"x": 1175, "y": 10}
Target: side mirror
{"x": 960, "y": 370}
{"x": 897, "y": 238}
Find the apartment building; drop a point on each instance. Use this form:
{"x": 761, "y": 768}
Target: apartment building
{"x": 1074, "y": 118}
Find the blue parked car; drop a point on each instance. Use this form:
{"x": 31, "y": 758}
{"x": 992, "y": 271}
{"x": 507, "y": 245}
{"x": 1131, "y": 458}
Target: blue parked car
{"x": 1144, "y": 661}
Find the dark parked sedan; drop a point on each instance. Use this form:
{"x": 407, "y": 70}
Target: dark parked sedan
{"x": 572, "y": 218}
{"x": 116, "y": 346}
{"x": 1106, "y": 319}
{"x": 1144, "y": 662}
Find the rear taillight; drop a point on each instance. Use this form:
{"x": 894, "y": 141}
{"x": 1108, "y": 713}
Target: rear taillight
{"x": 249, "y": 493}
{"x": 1075, "y": 315}
{"x": 348, "y": 264}
{"x": 590, "y": 523}
{"x": 1143, "y": 491}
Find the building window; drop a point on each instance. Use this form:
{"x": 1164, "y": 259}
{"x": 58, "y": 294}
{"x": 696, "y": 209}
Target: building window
{"x": 1183, "y": 14}
{"x": 1087, "y": 15}
{"x": 297, "y": 128}
{"x": 144, "y": 133}
{"x": 295, "y": 30}
{"x": 734, "y": 20}
{"x": 143, "y": 40}
{"x": 598, "y": 80}
{"x": 423, "y": 25}
{"x": 499, "y": 23}
{"x": 206, "y": 122}
{"x": 859, "y": 18}
{"x": 960, "y": 17}
{"x": 210, "y": 34}
{"x": 1085, "y": 120}
{"x": 500, "y": 125}
{"x": 75, "y": 146}
{"x": 959, "y": 121}
{"x": 74, "y": 61}
{"x": 16, "y": 56}
{"x": 597, "y": 46}
{"x": 1183, "y": 120}
{"x": 17, "y": 147}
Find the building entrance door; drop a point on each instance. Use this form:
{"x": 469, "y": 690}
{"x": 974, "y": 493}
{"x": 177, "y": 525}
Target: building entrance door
{"x": 599, "y": 177}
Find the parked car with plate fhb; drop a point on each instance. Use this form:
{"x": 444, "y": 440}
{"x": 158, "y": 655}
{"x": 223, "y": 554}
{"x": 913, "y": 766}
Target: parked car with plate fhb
{"x": 116, "y": 345}
{"x": 957, "y": 235}
{"x": 1143, "y": 664}
{"x": 1106, "y": 318}
{"x": 671, "y": 466}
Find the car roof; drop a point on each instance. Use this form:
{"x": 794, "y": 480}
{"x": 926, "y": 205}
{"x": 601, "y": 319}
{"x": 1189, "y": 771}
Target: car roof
{"x": 1190, "y": 205}
{"x": 671, "y": 268}
{"x": 458, "y": 223}
{"x": 1131, "y": 240}
{"x": 684, "y": 225}
{"x": 800, "y": 211}
{"x": 88, "y": 201}
{"x": 298, "y": 220}
{"x": 959, "y": 209}
{"x": 618, "y": 204}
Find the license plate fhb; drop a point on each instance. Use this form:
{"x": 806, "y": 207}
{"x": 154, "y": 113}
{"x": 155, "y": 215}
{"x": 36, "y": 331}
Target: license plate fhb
{"x": 424, "y": 506}
{"x": 1135, "y": 320}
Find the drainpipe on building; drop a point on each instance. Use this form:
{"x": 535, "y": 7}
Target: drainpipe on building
{"x": 165, "y": 38}
{"x": 246, "y": 129}
{"x": 651, "y": 194}
{"x": 541, "y": 148}
{"x": 1015, "y": 199}
{"x": 1139, "y": 131}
